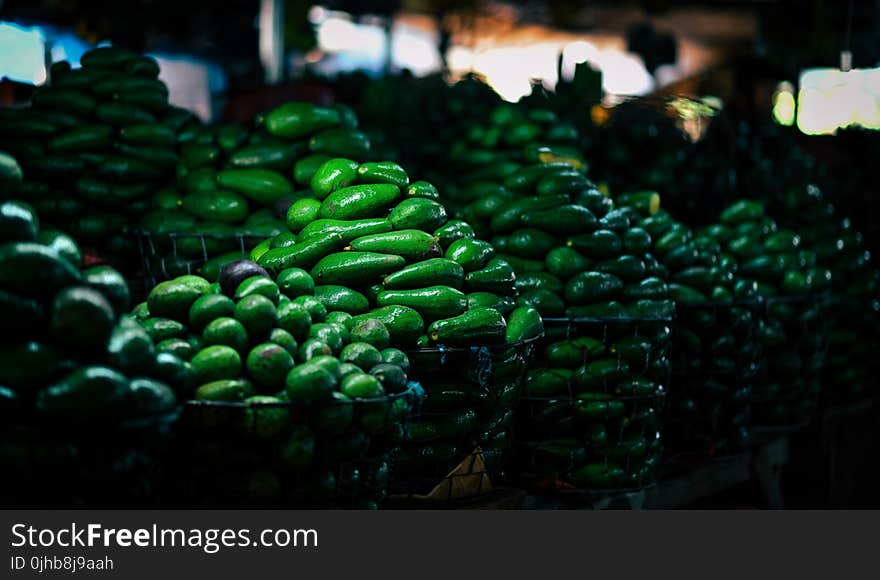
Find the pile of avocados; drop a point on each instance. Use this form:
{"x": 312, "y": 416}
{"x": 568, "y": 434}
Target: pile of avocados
{"x": 70, "y": 354}
{"x": 377, "y": 246}
{"x": 764, "y": 161}
{"x": 715, "y": 350}
{"x": 380, "y": 246}
{"x": 792, "y": 330}
{"x": 291, "y": 402}
{"x": 95, "y": 143}
{"x": 331, "y": 330}
{"x": 589, "y": 412}
{"x": 853, "y": 309}
{"x": 78, "y": 379}
{"x": 234, "y": 184}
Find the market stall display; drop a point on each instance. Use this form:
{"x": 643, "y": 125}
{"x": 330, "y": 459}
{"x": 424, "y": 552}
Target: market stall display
{"x": 413, "y": 294}
{"x": 794, "y": 289}
{"x": 806, "y": 195}
{"x": 381, "y": 246}
{"x": 852, "y": 310}
{"x": 715, "y": 352}
{"x": 589, "y": 413}
{"x": 761, "y": 161}
{"x": 95, "y": 144}
{"x": 235, "y": 183}
{"x": 271, "y": 370}
{"x": 75, "y": 373}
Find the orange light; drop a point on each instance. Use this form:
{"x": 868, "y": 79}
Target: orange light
{"x": 599, "y": 115}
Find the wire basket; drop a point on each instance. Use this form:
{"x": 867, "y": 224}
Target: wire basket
{"x": 850, "y": 370}
{"x": 328, "y": 455}
{"x": 459, "y": 439}
{"x": 716, "y": 359}
{"x": 167, "y": 255}
{"x": 589, "y": 418}
{"x": 95, "y": 464}
{"x": 794, "y": 341}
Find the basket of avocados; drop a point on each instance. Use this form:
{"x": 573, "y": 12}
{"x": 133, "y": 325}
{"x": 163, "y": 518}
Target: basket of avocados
{"x": 381, "y": 249}
{"x": 94, "y": 143}
{"x": 715, "y": 351}
{"x": 332, "y": 452}
{"x": 774, "y": 264}
{"x": 590, "y": 271}
{"x": 467, "y": 408}
{"x": 589, "y": 418}
{"x": 851, "y": 310}
{"x": 287, "y": 406}
{"x": 716, "y": 359}
{"x": 805, "y": 196}
{"x": 235, "y": 185}
{"x": 85, "y": 395}
{"x": 794, "y": 337}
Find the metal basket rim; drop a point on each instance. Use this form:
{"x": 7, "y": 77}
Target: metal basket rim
{"x": 211, "y": 235}
{"x": 796, "y": 298}
{"x": 560, "y": 321}
{"x": 740, "y": 303}
{"x": 455, "y": 349}
{"x": 662, "y": 395}
{"x": 412, "y": 390}
{"x": 133, "y": 423}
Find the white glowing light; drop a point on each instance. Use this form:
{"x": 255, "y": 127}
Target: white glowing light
{"x": 189, "y": 83}
{"x": 363, "y": 45}
{"x": 58, "y": 53}
{"x": 414, "y": 50}
{"x": 830, "y": 99}
{"x": 317, "y": 14}
{"x": 624, "y": 73}
{"x": 509, "y": 69}
{"x": 784, "y": 104}
{"x": 340, "y": 35}
{"x": 575, "y": 53}
{"x": 22, "y": 54}
{"x": 460, "y": 59}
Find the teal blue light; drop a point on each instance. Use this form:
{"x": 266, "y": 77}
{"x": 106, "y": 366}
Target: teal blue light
{"x": 22, "y": 54}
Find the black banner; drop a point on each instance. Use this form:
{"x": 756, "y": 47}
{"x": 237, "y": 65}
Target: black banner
{"x": 415, "y": 544}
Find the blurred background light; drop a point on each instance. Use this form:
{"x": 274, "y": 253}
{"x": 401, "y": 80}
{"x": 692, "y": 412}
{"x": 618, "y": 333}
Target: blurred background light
{"x": 830, "y": 99}
{"x": 509, "y": 57}
{"x": 414, "y": 49}
{"x": 575, "y": 53}
{"x": 624, "y": 73}
{"x": 510, "y": 69}
{"x": 192, "y": 83}
{"x": 784, "y": 104}
{"x": 22, "y": 54}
